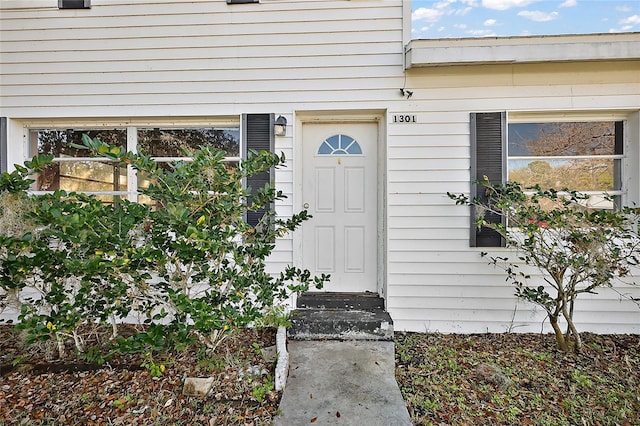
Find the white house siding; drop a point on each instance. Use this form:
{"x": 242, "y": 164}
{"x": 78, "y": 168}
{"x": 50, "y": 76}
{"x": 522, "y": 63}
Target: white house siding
{"x": 435, "y": 281}
{"x": 124, "y": 62}
{"x": 172, "y": 61}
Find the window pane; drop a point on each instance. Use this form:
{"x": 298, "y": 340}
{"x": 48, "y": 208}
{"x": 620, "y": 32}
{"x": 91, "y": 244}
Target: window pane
{"x": 82, "y": 176}
{"x": 577, "y": 174}
{"x": 56, "y": 141}
{"x": 174, "y": 142}
{"x": 562, "y": 139}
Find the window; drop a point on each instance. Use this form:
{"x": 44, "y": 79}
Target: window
{"x": 75, "y": 170}
{"x": 166, "y": 145}
{"x": 585, "y": 156}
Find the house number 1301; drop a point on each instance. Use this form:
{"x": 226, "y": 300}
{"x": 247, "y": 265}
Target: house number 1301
{"x": 404, "y": 119}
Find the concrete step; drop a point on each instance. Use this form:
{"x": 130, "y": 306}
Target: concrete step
{"x": 358, "y": 301}
{"x": 334, "y": 324}
{"x": 340, "y": 316}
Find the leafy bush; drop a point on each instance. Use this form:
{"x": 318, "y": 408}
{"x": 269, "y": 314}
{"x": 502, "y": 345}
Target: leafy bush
{"x": 576, "y": 249}
{"x": 187, "y": 263}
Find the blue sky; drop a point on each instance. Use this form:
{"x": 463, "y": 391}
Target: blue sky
{"x": 491, "y": 18}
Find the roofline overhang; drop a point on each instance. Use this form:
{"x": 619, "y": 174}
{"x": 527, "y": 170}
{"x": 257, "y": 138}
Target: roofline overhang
{"x": 522, "y": 50}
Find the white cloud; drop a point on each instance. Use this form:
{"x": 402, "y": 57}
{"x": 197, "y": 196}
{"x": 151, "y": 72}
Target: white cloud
{"x": 623, "y": 8}
{"x": 460, "y": 26}
{"x": 428, "y": 15}
{"x": 505, "y": 4}
{"x": 569, "y": 3}
{"x": 631, "y": 20}
{"x": 489, "y": 22}
{"x": 538, "y": 16}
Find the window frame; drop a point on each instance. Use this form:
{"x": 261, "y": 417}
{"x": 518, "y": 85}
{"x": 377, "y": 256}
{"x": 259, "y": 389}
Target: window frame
{"x": 131, "y": 130}
{"x": 489, "y": 135}
{"x": 620, "y": 124}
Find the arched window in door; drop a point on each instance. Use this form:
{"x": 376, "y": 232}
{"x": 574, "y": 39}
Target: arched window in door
{"x": 339, "y": 145}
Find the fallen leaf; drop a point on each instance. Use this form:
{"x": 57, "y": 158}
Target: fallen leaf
{"x": 337, "y": 413}
{"x": 313, "y": 420}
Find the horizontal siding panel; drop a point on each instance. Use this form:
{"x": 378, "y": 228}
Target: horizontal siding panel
{"x": 454, "y": 177}
{"x": 424, "y": 136}
{"x": 426, "y": 188}
{"x": 441, "y": 257}
{"x": 504, "y": 302}
{"x": 186, "y": 13}
{"x": 205, "y": 53}
{"x": 169, "y": 28}
{"x": 429, "y": 152}
{"x": 452, "y": 291}
{"x": 165, "y": 41}
{"x": 411, "y": 200}
{"x": 415, "y": 222}
{"x": 452, "y": 303}
{"x": 79, "y": 76}
{"x": 461, "y": 163}
{"x": 132, "y": 64}
{"x": 174, "y": 99}
{"x": 485, "y": 314}
{"x": 481, "y": 268}
{"x": 429, "y": 211}
{"x": 433, "y": 244}
{"x": 195, "y": 88}
{"x": 423, "y": 127}
{"x": 451, "y": 279}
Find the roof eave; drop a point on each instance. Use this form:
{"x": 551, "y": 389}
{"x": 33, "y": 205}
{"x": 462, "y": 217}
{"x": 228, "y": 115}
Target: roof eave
{"x": 522, "y": 50}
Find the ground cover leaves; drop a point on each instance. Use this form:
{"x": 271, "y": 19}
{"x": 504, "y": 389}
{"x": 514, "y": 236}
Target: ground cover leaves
{"x": 518, "y": 379}
{"x": 36, "y": 389}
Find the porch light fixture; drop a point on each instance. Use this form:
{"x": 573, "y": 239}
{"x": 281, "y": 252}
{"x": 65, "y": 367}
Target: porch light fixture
{"x": 280, "y": 126}
{"x": 74, "y": 4}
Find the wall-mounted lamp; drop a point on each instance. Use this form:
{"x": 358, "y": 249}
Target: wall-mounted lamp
{"x": 280, "y": 126}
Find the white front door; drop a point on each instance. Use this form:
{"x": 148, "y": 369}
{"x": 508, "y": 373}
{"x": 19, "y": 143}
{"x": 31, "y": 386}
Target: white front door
{"x": 340, "y": 191}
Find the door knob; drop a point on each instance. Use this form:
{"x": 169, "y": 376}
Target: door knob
{"x": 305, "y": 205}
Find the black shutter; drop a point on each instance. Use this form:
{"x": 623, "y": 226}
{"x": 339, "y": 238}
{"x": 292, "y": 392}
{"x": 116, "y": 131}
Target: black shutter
{"x": 3, "y": 144}
{"x": 488, "y": 141}
{"x": 258, "y": 135}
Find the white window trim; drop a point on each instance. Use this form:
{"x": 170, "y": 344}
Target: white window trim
{"x": 517, "y": 117}
{"x": 131, "y": 127}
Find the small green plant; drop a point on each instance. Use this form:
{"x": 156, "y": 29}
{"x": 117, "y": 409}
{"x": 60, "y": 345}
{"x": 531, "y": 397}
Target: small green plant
{"x": 20, "y": 359}
{"x": 155, "y": 369}
{"x": 121, "y": 403}
{"x": 274, "y": 316}
{"x": 260, "y": 392}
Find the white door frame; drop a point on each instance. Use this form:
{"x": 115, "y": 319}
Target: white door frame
{"x": 336, "y": 117}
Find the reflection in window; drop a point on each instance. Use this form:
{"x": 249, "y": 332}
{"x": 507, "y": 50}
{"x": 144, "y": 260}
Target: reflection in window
{"x": 580, "y": 156}
{"x": 73, "y": 169}
{"x": 182, "y": 142}
{"x": 339, "y": 145}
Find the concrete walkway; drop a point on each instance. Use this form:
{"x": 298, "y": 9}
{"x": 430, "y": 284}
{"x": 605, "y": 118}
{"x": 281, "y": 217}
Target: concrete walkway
{"x": 342, "y": 383}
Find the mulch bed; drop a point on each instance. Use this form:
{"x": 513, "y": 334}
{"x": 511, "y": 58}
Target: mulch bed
{"x": 519, "y": 379}
{"x": 37, "y": 388}
{"x": 484, "y": 379}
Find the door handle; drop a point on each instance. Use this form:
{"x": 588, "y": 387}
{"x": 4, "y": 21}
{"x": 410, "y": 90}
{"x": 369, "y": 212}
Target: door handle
{"x": 305, "y": 205}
